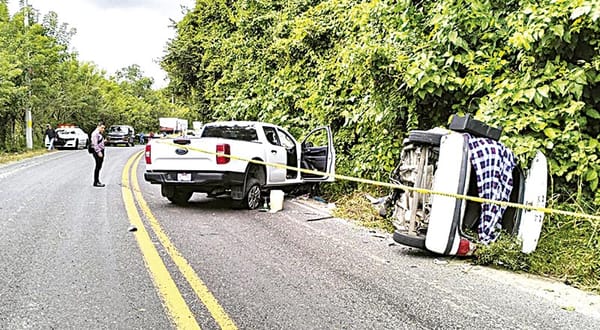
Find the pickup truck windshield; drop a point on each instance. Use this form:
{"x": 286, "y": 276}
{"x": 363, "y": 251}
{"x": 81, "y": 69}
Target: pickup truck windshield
{"x": 119, "y": 129}
{"x": 237, "y": 132}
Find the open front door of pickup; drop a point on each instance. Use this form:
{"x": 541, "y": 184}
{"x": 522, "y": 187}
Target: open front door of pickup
{"x": 318, "y": 154}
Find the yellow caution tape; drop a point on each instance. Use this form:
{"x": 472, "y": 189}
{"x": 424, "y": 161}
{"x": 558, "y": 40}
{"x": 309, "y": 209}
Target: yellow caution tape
{"x": 392, "y": 185}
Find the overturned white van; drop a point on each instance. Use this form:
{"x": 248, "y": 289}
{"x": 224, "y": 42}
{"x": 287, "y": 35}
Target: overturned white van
{"x": 440, "y": 166}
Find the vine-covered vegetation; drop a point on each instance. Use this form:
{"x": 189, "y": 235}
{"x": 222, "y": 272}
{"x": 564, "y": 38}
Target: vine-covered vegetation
{"x": 39, "y": 72}
{"x": 374, "y": 69}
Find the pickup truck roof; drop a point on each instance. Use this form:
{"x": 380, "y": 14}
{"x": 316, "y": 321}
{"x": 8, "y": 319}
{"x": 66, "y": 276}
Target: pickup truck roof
{"x": 235, "y": 130}
{"x": 238, "y": 123}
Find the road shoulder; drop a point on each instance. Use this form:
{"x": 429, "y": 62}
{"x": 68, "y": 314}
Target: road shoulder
{"x": 566, "y": 297}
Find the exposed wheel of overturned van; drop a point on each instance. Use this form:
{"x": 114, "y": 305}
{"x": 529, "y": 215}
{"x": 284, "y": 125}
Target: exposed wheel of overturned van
{"x": 252, "y": 197}
{"x": 180, "y": 197}
{"x": 424, "y": 137}
{"x": 410, "y": 240}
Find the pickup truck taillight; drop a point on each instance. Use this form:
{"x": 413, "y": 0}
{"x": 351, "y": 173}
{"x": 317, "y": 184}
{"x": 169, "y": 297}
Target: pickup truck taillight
{"x": 223, "y": 149}
{"x": 148, "y": 154}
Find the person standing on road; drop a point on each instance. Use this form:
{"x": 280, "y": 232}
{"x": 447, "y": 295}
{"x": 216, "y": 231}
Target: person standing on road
{"x": 50, "y": 135}
{"x": 99, "y": 154}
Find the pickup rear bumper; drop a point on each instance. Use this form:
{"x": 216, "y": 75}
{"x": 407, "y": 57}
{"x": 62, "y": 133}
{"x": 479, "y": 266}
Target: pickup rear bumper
{"x": 201, "y": 181}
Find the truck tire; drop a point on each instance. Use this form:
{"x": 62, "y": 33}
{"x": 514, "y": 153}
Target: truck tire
{"x": 180, "y": 197}
{"x": 424, "y": 137}
{"x": 252, "y": 196}
{"x": 410, "y": 240}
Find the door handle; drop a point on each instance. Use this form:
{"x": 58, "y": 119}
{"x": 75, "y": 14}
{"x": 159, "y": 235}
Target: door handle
{"x": 274, "y": 152}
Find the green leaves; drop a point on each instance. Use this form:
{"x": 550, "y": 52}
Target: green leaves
{"x": 38, "y": 73}
{"x": 593, "y": 113}
{"x": 551, "y": 133}
{"x": 367, "y": 67}
{"x": 580, "y": 11}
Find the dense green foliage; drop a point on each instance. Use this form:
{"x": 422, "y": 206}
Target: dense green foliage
{"x": 375, "y": 69}
{"x": 38, "y": 72}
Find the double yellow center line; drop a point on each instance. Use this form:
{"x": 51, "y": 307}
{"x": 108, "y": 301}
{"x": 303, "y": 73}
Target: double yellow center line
{"x": 175, "y": 305}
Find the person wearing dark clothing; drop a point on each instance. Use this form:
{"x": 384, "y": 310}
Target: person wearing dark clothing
{"x": 99, "y": 154}
{"x": 50, "y": 135}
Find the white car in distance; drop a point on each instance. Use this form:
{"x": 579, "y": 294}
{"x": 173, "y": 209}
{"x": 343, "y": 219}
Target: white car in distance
{"x": 70, "y": 137}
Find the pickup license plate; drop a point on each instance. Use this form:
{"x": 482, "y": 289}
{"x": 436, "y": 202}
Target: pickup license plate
{"x": 184, "y": 176}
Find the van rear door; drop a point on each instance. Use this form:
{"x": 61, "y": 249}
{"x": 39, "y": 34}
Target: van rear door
{"x": 536, "y": 186}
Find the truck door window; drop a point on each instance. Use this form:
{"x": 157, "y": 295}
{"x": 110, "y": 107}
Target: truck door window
{"x": 317, "y": 139}
{"x": 271, "y": 135}
{"x": 286, "y": 140}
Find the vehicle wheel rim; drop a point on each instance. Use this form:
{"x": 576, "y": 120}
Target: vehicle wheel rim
{"x": 254, "y": 197}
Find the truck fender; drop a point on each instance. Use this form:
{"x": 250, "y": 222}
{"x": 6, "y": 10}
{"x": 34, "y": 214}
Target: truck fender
{"x": 252, "y": 171}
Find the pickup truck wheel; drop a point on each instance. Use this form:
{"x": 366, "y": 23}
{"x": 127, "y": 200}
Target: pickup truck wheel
{"x": 252, "y": 197}
{"x": 180, "y": 197}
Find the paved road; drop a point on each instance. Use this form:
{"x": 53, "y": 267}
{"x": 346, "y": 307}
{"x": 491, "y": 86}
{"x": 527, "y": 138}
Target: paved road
{"x": 67, "y": 260}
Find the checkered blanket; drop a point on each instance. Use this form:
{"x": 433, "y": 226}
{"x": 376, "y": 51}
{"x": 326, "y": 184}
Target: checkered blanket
{"x": 493, "y": 163}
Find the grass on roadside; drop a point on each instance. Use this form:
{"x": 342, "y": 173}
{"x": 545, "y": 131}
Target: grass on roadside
{"x": 356, "y": 206}
{"x": 568, "y": 248}
{"x": 9, "y": 157}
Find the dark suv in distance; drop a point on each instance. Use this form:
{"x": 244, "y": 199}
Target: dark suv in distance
{"x": 120, "y": 134}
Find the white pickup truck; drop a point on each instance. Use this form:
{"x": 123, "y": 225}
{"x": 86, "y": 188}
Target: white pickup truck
{"x": 185, "y": 165}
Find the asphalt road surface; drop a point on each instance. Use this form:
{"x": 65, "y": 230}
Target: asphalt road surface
{"x": 69, "y": 260}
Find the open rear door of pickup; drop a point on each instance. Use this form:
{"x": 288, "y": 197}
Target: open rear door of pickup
{"x": 318, "y": 155}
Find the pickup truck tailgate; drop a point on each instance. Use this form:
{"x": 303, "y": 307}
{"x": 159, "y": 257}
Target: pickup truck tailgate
{"x": 189, "y": 155}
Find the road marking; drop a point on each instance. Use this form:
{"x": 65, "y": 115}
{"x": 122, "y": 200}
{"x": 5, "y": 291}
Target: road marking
{"x": 201, "y": 290}
{"x": 177, "y": 308}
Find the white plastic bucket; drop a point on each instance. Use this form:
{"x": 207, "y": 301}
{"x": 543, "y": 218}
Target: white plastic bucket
{"x": 276, "y": 200}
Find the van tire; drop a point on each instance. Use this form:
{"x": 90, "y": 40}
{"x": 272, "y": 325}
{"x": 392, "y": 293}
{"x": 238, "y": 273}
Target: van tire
{"x": 410, "y": 240}
{"x": 424, "y": 137}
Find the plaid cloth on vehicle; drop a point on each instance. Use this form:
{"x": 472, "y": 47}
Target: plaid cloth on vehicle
{"x": 493, "y": 163}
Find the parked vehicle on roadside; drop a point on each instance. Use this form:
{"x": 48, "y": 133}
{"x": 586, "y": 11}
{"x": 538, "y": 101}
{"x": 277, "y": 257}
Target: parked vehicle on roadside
{"x": 70, "y": 137}
{"x": 189, "y": 164}
{"x": 120, "y": 134}
{"x": 168, "y": 125}
{"x": 465, "y": 160}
